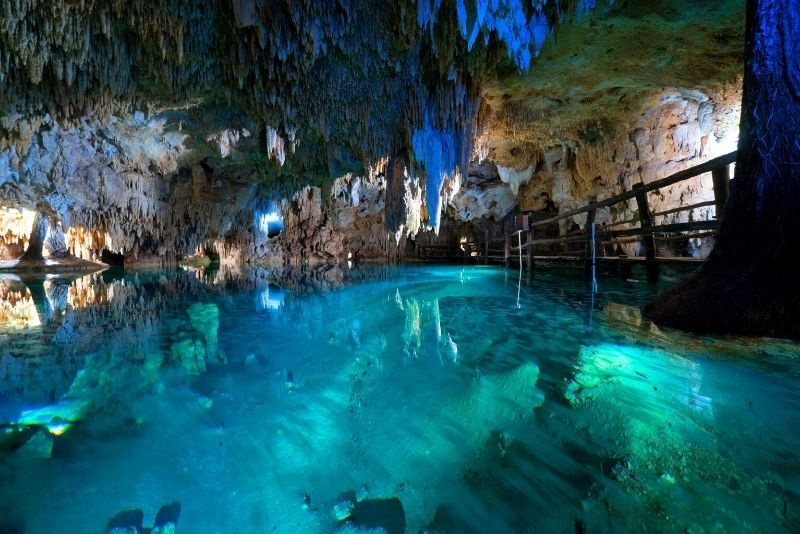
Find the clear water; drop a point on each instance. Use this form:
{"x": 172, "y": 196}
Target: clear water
{"x": 266, "y": 402}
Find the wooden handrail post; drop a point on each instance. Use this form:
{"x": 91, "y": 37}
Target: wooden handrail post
{"x": 486, "y": 246}
{"x": 587, "y": 249}
{"x": 506, "y": 251}
{"x": 529, "y": 249}
{"x": 646, "y": 221}
{"x": 722, "y": 188}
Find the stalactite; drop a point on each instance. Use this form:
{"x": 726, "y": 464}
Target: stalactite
{"x": 332, "y": 90}
{"x": 75, "y": 60}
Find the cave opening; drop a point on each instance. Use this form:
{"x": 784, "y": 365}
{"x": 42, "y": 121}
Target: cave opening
{"x": 210, "y": 252}
{"x": 275, "y": 229}
{"x": 112, "y": 259}
{"x": 268, "y": 223}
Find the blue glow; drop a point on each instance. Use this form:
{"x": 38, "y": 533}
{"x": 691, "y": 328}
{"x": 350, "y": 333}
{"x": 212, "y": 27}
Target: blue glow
{"x": 506, "y": 18}
{"x": 267, "y": 220}
{"x": 270, "y": 299}
{"x": 539, "y": 30}
{"x": 436, "y": 150}
{"x": 426, "y": 13}
{"x": 461, "y": 13}
{"x": 263, "y": 221}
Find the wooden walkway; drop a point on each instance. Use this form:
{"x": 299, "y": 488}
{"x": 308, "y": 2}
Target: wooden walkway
{"x": 522, "y": 241}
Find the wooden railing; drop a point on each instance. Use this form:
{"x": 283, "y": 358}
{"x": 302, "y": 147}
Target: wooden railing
{"x": 451, "y": 253}
{"x": 648, "y": 232}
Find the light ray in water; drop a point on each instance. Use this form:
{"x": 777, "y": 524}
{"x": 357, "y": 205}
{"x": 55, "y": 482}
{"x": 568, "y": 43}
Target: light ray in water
{"x": 416, "y": 396}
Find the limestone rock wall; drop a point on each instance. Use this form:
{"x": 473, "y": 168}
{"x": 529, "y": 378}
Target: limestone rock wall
{"x": 168, "y": 187}
{"x": 348, "y": 223}
{"x": 675, "y": 129}
{"x": 139, "y": 188}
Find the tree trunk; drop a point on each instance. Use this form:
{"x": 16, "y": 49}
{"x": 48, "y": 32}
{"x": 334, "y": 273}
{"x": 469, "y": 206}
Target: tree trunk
{"x": 751, "y": 282}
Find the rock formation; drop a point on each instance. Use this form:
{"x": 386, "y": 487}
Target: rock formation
{"x": 365, "y": 127}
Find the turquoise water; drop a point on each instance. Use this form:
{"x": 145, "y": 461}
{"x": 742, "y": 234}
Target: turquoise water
{"x": 438, "y": 399}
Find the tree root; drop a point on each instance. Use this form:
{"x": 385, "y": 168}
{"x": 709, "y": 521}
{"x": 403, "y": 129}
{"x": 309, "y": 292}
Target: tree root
{"x": 731, "y": 301}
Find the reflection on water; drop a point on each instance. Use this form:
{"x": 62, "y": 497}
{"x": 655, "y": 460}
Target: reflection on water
{"x": 417, "y": 398}
{"x": 17, "y": 309}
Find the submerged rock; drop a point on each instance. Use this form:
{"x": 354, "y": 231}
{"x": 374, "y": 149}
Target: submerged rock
{"x": 387, "y": 514}
{"x": 132, "y": 521}
{"x": 205, "y": 319}
{"x": 40, "y": 446}
{"x": 343, "y": 510}
{"x": 191, "y": 355}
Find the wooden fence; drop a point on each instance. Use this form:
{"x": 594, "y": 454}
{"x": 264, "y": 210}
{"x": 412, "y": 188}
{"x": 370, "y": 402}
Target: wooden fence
{"x": 594, "y": 237}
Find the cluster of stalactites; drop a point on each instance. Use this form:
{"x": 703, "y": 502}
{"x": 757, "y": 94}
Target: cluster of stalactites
{"x": 523, "y": 34}
{"x": 441, "y": 147}
{"x": 403, "y": 198}
{"x": 275, "y": 50}
{"x": 333, "y": 68}
{"x": 78, "y": 58}
{"x": 88, "y": 244}
{"x": 15, "y": 226}
{"x": 277, "y": 145}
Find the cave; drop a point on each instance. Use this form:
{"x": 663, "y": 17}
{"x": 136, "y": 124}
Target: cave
{"x": 269, "y": 223}
{"x": 410, "y": 266}
{"x": 112, "y": 259}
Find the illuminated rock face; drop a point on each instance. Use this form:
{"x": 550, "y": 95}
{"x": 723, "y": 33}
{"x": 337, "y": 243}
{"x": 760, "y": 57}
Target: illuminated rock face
{"x": 153, "y": 190}
{"x": 129, "y": 188}
{"x": 431, "y": 114}
{"x": 16, "y": 226}
{"x": 677, "y": 130}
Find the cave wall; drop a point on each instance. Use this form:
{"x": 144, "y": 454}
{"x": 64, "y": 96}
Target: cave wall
{"x": 674, "y": 130}
{"x": 158, "y": 130}
{"x": 168, "y": 187}
{"x": 143, "y": 188}
{"x": 345, "y": 222}
{"x": 163, "y": 188}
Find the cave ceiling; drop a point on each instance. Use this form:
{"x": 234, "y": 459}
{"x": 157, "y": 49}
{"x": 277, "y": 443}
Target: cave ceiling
{"x": 331, "y": 87}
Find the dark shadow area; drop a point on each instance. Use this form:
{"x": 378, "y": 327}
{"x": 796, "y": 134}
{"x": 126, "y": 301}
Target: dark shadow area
{"x": 445, "y": 522}
{"x": 126, "y": 520}
{"x": 10, "y": 522}
{"x": 211, "y": 253}
{"x": 168, "y": 514}
{"x": 112, "y": 259}
{"x": 386, "y": 514}
{"x": 133, "y": 520}
{"x": 112, "y": 274}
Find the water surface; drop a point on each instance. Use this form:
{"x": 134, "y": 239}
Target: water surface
{"x": 475, "y": 400}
